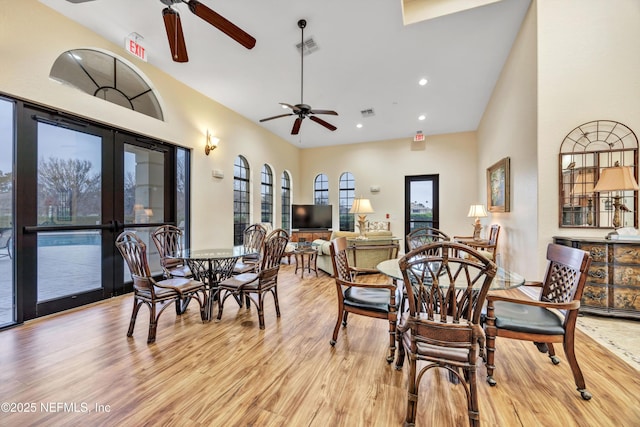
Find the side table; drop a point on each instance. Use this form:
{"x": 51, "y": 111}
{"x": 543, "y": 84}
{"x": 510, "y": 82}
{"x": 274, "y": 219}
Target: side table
{"x": 308, "y": 254}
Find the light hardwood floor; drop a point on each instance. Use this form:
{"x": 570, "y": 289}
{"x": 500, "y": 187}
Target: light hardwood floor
{"x": 230, "y": 373}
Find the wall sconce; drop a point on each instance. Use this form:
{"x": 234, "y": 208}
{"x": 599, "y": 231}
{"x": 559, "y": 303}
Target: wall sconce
{"x": 212, "y": 143}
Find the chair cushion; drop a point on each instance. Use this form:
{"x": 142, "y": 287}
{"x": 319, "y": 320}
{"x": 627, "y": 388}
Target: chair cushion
{"x": 180, "y": 271}
{"x": 244, "y": 267}
{"x": 239, "y": 280}
{"x": 526, "y": 318}
{"x": 184, "y": 284}
{"x": 367, "y": 298}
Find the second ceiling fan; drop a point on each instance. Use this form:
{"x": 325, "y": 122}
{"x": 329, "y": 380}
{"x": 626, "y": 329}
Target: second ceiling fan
{"x": 303, "y": 110}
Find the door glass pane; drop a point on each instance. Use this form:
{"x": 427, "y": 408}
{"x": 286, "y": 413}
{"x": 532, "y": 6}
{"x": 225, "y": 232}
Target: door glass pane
{"x": 421, "y": 201}
{"x": 7, "y": 294}
{"x": 69, "y": 194}
{"x": 144, "y": 196}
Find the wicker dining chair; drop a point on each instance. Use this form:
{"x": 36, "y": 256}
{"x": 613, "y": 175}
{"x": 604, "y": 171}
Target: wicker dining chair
{"x": 168, "y": 240}
{"x": 422, "y": 236}
{"x": 446, "y": 285}
{"x": 253, "y": 240}
{"x": 256, "y": 284}
{"x": 153, "y": 293}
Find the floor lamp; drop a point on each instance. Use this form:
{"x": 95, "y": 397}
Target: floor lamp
{"x": 361, "y": 207}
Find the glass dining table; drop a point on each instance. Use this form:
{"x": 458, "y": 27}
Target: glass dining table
{"x": 212, "y": 266}
{"x": 503, "y": 279}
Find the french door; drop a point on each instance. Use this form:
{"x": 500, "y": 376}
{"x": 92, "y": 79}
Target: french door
{"x": 422, "y": 202}
{"x": 79, "y": 185}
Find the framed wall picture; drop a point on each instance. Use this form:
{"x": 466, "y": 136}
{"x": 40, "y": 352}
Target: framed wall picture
{"x": 498, "y": 188}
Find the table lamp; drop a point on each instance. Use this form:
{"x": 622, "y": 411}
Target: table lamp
{"x": 477, "y": 211}
{"x": 361, "y": 207}
{"x": 616, "y": 178}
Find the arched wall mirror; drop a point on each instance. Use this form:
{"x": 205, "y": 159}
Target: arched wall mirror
{"x": 585, "y": 152}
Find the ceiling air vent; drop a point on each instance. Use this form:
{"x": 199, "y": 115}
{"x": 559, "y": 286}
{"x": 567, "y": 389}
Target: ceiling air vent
{"x": 309, "y": 46}
{"x": 368, "y": 112}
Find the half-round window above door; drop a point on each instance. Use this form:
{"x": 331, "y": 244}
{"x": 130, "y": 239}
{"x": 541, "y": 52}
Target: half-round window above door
{"x": 106, "y": 77}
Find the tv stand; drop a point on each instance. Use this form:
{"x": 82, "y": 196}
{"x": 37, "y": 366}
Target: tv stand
{"x": 310, "y": 235}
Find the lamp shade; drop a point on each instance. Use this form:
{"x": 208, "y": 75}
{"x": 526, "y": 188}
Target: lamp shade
{"x": 477, "y": 211}
{"x": 617, "y": 178}
{"x": 361, "y": 206}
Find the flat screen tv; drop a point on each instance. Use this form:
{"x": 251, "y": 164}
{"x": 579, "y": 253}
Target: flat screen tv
{"x": 311, "y": 217}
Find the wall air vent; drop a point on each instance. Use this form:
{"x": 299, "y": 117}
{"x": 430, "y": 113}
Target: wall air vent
{"x": 309, "y": 46}
{"x": 368, "y": 112}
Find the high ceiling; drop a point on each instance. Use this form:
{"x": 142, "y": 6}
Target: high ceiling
{"x": 366, "y": 59}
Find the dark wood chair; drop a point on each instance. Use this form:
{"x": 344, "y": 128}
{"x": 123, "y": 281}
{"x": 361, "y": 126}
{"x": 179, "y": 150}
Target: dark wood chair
{"x": 6, "y": 236}
{"x": 377, "y": 300}
{"x": 446, "y": 285}
{"x": 253, "y": 239}
{"x": 152, "y": 293}
{"x": 486, "y": 247}
{"x": 255, "y": 285}
{"x": 422, "y": 236}
{"x": 538, "y": 321}
{"x": 168, "y": 240}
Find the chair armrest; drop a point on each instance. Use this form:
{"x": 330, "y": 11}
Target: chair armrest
{"x": 535, "y": 284}
{"x": 571, "y": 305}
{"x": 391, "y": 286}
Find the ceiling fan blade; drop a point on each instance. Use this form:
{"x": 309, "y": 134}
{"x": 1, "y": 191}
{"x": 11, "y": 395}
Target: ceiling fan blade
{"x": 174, "y": 34}
{"x": 277, "y": 117}
{"x": 296, "y": 126}
{"x": 293, "y": 107}
{"x": 323, "y": 123}
{"x": 221, "y": 23}
{"x": 333, "y": 113}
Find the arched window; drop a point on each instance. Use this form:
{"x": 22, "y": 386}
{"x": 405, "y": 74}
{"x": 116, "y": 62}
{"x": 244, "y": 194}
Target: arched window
{"x": 240, "y": 198}
{"x": 347, "y": 195}
{"x": 267, "y": 194}
{"x": 106, "y": 77}
{"x": 321, "y": 190}
{"x": 286, "y": 201}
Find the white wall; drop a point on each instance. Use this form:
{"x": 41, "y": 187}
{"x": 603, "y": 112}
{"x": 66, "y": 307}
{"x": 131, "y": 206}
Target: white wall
{"x": 589, "y": 69}
{"x": 509, "y": 129}
{"x": 32, "y": 36}
{"x": 385, "y": 163}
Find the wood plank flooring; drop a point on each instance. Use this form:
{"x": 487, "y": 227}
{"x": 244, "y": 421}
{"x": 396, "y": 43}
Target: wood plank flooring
{"x": 79, "y": 368}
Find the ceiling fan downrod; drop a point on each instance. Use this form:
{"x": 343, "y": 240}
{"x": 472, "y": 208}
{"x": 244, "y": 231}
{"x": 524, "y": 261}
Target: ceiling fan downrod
{"x": 302, "y": 24}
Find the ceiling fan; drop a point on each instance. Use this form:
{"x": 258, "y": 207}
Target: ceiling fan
{"x": 303, "y": 110}
{"x": 173, "y": 26}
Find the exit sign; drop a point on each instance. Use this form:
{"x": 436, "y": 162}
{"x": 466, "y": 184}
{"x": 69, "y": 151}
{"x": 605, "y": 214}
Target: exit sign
{"x": 418, "y": 137}
{"x": 133, "y": 45}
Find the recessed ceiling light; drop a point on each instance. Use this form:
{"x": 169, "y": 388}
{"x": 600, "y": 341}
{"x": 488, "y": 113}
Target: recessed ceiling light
{"x": 359, "y": 125}
{"x": 422, "y": 81}
{"x": 422, "y": 117}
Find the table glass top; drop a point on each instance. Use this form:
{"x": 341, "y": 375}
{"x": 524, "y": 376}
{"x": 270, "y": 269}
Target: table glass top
{"x": 217, "y": 253}
{"x": 503, "y": 279}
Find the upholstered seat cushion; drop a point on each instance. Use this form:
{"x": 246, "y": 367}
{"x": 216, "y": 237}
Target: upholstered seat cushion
{"x": 527, "y": 319}
{"x": 166, "y": 287}
{"x": 244, "y": 267}
{"x": 367, "y": 298}
{"x": 180, "y": 271}
{"x": 239, "y": 280}
{"x": 435, "y": 351}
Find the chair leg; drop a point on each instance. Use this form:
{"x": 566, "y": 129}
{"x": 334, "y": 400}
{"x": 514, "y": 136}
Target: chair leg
{"x": 412, "y": 394}
{"x": 336, "y": 329}
{"x": 153, "y": 324}
{"x": 490, "y": 351}
{"x": 392, "y": 340}
{"x": 274, "y": 291}
{"x": 134, "y": 314}
{"x": 261, "y": 310}
{"x": 552, "y": 354}
{"x": 474, "y": 408}
{"x": 569, "y": 350}
{"x": 401, "y": 350}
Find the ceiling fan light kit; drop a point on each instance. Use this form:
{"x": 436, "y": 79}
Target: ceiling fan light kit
{"x": 303, "y": 110}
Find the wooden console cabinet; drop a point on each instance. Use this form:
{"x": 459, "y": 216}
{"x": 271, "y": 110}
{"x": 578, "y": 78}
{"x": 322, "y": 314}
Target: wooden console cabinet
{"x": 613, "y": 285}
{"x": 310, "y": 235}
